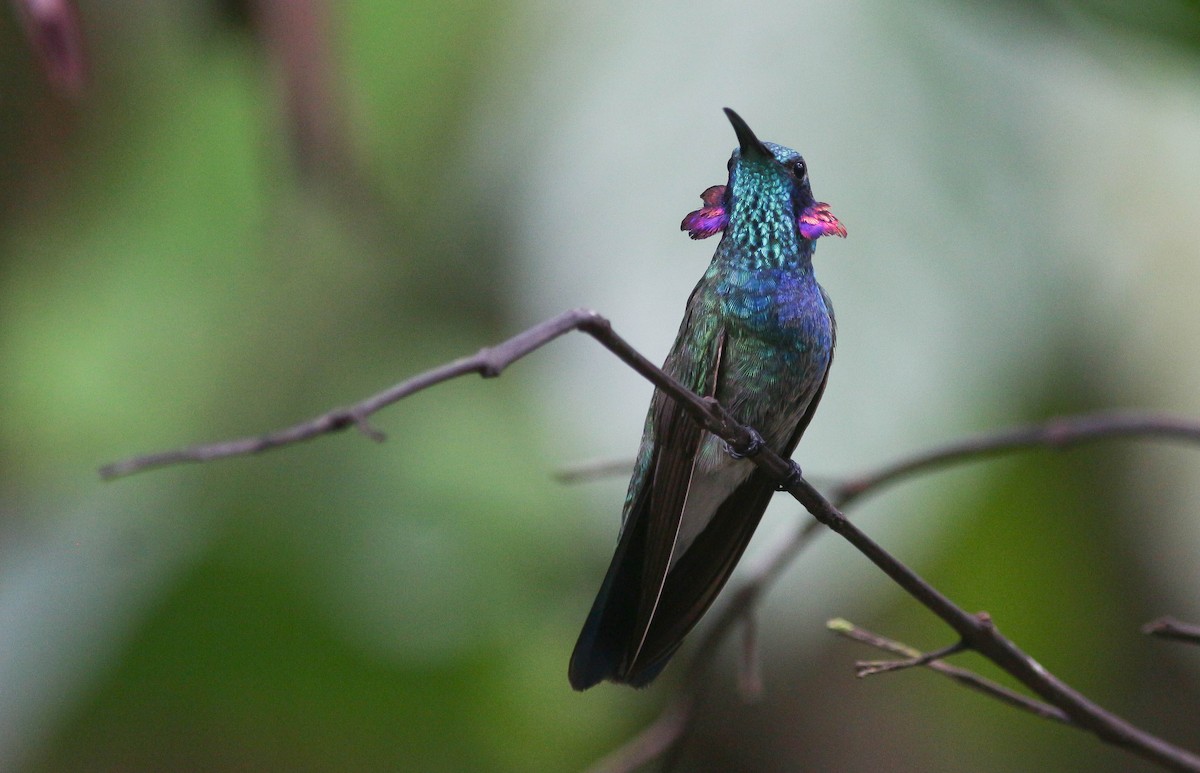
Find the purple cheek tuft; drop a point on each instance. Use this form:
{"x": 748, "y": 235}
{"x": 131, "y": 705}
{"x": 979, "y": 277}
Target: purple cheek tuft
{"x": 817, "y": 221}
{"x": 710, "y": 219}
{"x": 714, "y": 196}
{"x": 703, "y": 223}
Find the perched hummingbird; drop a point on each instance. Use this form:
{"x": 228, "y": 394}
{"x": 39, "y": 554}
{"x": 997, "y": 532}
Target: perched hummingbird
{"x": 758, "y": 335}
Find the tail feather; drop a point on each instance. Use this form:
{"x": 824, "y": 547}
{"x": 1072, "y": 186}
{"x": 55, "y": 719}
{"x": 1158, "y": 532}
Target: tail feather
{"x": 604, "y": 640}
{"x": 613, "y": 645}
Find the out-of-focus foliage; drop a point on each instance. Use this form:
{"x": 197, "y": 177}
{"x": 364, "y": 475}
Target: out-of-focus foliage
{"x": 168, "y": 276}
{"x": 255, "y": 211}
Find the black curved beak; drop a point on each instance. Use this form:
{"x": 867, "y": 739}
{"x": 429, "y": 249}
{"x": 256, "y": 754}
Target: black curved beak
{"x": 750, "y": 144}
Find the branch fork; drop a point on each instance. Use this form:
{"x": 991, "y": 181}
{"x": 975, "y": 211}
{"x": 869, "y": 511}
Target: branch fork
{"x": 1058, "y": 700}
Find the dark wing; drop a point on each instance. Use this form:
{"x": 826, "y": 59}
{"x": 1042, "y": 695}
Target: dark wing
{"x": 697, "y": 578}
{"x": 679, "y": 448}
{"x": 642, "y": 612}
{"x": 625, "y": 609}
{"x": 694, "y": 582}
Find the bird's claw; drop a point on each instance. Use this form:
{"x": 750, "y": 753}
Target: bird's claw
{"x": 793, "y": 477}
{"x": 753, "y": 446}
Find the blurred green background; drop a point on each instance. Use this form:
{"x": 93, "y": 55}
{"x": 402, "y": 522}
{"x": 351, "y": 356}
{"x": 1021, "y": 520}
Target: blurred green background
{"x": 252, "y": 212}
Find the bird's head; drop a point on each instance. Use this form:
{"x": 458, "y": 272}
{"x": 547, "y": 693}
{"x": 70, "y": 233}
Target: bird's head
{"x": 763, "y": 177}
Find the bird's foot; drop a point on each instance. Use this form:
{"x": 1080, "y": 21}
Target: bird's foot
{"x": 793, "y": 477}
{"x": 752, "y": 447}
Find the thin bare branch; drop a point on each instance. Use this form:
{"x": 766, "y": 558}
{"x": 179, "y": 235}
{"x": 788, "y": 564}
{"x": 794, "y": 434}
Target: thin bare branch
{"x": 489, "y": 363}
{"x": 54, "y": 31}
{"x": 668, "y": 729}
{"x": 655, "y": 740}
{"x": 984, "y": 638}
{"x": 750, "y": 684}
{"x": 976, "y": 631}
{"x": 1057, "y": 433}
{"x": 961, "y": 675}
{"x": 865, "y": 668}
{"x": 1170, "y": 628}
{"x": 1060, "y": 432}
{"x": 595, "y": 469}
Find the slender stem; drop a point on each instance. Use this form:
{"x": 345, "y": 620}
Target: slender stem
{"x": 1170, "y": 628}
{"x": 865, "y": 668}
{"x": 654, "y": 741}
{"x": 1056, "y": 433}
{"x": 976, "y": 631}
{"x": 488, "y": 362}
{"x": 961, "y": 675}
{"x": 982, "y": 636}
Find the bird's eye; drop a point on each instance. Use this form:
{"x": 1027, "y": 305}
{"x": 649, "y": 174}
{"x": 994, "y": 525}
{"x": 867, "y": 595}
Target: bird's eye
{"x": 799, "y": 169}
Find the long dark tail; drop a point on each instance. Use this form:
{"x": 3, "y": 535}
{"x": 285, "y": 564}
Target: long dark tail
{"x": 617, "y": 642}
{"x": 604, "y": 641}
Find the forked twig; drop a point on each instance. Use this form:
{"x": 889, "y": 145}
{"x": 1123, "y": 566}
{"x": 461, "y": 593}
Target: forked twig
{"x": 1170, "y": 628}
{"x": 961, "y": 675}
{"x": 975, "y": 631}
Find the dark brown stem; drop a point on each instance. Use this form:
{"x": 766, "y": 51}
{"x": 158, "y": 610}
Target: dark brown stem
{"x": 487, "y": 362}
{"x": 750, "y": 684}
{"x": 655, "y": 740}
{"x": 865, "y": 668}
{"x": 1170, "y": 628}
{"x": 1061, "y": 432}
{"x": 53, "y": 29}
{"x": 596, "y": 469}
{"x": 983, "y": 637}
{"x": 961, "y": 675}
{"x": 976, "y": 631}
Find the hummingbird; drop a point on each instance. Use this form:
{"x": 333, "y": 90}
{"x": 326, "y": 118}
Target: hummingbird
{"x": 758, "y": 335}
